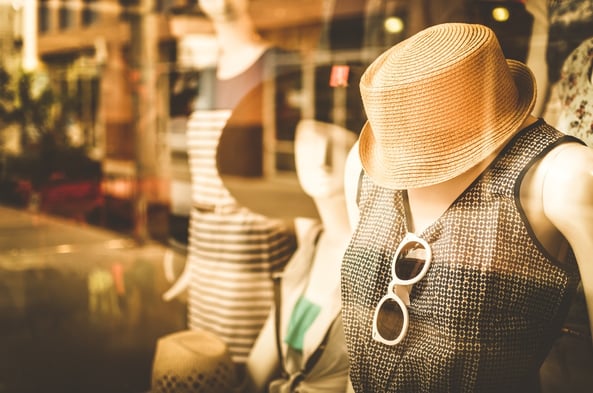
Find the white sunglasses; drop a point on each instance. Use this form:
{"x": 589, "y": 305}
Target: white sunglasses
{"x": 410, "y": 264}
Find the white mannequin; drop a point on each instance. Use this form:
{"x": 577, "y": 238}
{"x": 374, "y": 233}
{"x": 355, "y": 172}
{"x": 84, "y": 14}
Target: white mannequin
{"x": 232, "y": 250}
{"x": 323, "y": 181}
{"x": 557, "y": 194}
{"x": 320, "y": 152}
{"x": 529, "y": 195}
{"x": 240, "y": 46}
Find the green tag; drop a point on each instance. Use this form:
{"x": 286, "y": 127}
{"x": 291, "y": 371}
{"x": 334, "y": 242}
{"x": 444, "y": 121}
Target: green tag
{"x": 302, "y": 318}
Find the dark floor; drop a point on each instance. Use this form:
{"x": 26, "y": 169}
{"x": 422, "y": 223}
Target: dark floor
{"x": 81, "y": 310}
{"x": 80, "y": 307}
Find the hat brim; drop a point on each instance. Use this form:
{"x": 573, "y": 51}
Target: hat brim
{"x": 386, "y": 176}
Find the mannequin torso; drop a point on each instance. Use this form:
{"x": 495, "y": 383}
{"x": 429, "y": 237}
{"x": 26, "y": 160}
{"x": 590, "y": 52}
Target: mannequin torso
{"x": 556, "y": 194}
{"x": 233, "y": 62}
{"x": 313, "y": 274}
{"x": 328, "y": 256}
{"x": 429, "y": 203}
{"x": 493, "y": 251}
{"x": 232, "y": 251}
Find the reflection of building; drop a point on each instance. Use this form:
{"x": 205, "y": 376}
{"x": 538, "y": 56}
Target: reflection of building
{"x": 90, "y": 45}
{"x": 115, "y": 55}
{"x": 9, "y": 34}
{"x": 118, "y": 57}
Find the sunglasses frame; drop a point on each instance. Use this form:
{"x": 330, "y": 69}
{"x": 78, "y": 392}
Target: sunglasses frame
{"x": 391, "y": 288}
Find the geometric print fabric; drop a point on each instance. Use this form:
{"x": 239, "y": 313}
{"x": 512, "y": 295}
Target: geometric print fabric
{"x": 485, "y": 315}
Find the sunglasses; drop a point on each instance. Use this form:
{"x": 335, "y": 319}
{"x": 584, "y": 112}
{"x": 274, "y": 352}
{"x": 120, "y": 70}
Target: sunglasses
{"x": 410, "y": 264}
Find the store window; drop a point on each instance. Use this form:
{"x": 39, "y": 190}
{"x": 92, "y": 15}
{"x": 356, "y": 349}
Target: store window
{"x": 89, "y": 12}
{"x": 65, "y": 15}
{"x": 44, "y": 12}
{"x": 200, "y": 113}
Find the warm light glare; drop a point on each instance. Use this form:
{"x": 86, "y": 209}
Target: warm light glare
{"x": 394, "y": 25}
{"x": 17, "y": 5}
{"x": 64, "y": 249}
{"x": 500, "y": 14}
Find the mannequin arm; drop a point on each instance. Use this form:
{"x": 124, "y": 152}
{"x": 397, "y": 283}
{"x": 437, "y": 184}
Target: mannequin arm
{"x": 168, "y": 260}
{"x": 568, "y": 203}
{"x": 262, "y": 363}
{"x": 179, "y": 286}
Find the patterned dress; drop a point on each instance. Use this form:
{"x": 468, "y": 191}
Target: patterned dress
{"x": 570, "y": 23}
{"x": 575, "y": 92}
{"x": 232, "y": 251}
{"x": 486, "y": 313}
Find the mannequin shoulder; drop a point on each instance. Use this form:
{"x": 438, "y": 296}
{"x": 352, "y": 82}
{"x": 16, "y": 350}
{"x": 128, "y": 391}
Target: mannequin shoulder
{"x": 568, "y": 204}
{"x": 567, "y": 189}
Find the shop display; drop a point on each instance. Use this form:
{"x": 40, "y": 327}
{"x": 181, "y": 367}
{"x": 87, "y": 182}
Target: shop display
{"x": 485, "y": 185}
{"x": 328, "y": 195}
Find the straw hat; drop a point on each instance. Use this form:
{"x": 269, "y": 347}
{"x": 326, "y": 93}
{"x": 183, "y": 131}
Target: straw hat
{"x": 438, "y": 103}
{"x": 192, "y": 361}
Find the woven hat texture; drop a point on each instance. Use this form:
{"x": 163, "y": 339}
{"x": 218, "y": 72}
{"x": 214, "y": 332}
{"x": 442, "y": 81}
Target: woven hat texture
{"x": 192, "y": 362}
{"x": 438, "y": 103}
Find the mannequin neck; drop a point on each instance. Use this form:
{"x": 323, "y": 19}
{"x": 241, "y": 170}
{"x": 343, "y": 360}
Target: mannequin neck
{"x": 240, "y": 46}
{"x": 334, "y": 217}
{"x": 427, "y": 204}
{"x": 331, "y": 245}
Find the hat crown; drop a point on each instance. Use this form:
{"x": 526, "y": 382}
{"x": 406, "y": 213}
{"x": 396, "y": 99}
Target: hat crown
{"x": 438, "y": 49}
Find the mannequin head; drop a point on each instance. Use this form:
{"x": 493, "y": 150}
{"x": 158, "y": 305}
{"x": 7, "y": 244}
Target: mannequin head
{"x": 320, "y": 156}
{"x": 223, "y": 10}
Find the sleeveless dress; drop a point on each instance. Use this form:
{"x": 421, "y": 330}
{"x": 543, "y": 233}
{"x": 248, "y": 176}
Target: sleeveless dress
{"x": 486, "y": 313}
{"x": 232, "y": 251}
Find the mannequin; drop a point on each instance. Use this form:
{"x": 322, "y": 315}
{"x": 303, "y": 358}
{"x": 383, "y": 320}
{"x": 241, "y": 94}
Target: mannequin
{"x": 240, "y": 45}
{"x": 232, "y": 251}
{"x": 448, "y": 342}
{"x": 312, "y": 275}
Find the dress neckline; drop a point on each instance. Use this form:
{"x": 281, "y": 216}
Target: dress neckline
{"x": 407, "y": 212}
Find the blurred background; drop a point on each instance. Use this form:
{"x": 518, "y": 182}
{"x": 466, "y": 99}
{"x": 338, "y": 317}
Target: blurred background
{"x": 94, "y": 94}
{"x": 95, "y": 188}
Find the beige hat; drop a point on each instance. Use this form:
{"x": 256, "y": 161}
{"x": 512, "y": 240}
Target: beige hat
{"x": 192, "y": 361}
{"x": 438, "y": 103}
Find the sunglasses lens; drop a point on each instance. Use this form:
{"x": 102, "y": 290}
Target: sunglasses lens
{"x": 410, "y": 261}
{"x": 390, "y": 320}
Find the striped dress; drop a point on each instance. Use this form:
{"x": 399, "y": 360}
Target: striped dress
{"x": 232, "y": 251}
